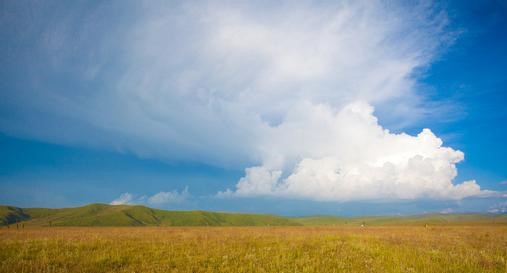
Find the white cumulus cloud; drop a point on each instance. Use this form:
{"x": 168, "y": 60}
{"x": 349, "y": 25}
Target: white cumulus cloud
{"x": 346, "y": 155}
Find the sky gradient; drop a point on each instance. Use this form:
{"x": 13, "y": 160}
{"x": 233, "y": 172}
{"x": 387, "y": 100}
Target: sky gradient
{"x": 343, "y": 107}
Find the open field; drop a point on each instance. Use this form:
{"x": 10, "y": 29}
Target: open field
{"x": 255, "y": 249}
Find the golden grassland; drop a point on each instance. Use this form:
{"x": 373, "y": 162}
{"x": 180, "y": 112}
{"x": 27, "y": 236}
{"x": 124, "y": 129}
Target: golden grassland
{"x": 255, "y": 249}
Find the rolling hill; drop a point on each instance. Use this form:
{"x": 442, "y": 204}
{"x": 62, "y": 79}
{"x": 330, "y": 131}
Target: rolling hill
{"x": 136, "y": 215}
{"x": 126, "y": 215}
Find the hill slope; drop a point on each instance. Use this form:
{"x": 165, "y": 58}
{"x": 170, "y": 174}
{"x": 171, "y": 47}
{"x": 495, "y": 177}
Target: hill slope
{"x": 125, "y": 215}
{"x": 10, "y": 215}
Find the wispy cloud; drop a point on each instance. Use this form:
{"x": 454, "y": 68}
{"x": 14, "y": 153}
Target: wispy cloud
{"x": 209, "y": 82}
{"x": 123, "y": 199}
{"x": 158, "y": 199}
{"x": 498, "y": 208}
{"x": 168, "y": 197}
{"x": 447, "y": 211}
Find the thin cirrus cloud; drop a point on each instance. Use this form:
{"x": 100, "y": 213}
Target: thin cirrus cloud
{"x": 288, "y": 89}
{"x": 208, "y": 82}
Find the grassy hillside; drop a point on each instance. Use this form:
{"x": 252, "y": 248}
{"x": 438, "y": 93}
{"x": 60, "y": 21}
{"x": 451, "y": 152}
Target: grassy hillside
{"x": 125, "y": 215}
{"x": 10, "y": 215}
{"x": 430, "y": 219}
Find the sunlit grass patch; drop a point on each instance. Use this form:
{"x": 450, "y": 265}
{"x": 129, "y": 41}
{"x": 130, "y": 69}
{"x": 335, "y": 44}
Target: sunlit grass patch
{"x": 255, "y": 249}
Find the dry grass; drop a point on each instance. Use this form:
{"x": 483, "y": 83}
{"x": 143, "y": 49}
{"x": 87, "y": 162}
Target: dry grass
{"x": 255, "y": 249}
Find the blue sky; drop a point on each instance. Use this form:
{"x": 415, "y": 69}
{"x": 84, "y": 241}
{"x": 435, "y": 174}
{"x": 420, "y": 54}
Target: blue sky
{"x": 272, "y": 108}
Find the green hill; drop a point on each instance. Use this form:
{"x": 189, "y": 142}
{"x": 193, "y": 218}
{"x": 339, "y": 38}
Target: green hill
{"x": 126, "y": 215}
{"x": 10, "y": 215}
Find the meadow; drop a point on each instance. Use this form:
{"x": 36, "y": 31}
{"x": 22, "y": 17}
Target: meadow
{"x": 454, "y": 248}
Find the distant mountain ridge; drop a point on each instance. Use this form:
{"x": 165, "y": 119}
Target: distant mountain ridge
{"x": 413, "y": 220}
{"x": 136, "y": 215}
